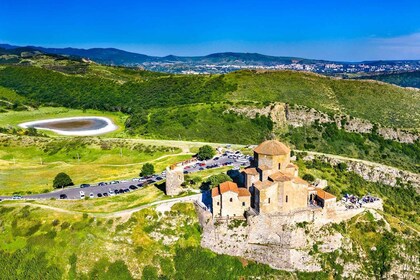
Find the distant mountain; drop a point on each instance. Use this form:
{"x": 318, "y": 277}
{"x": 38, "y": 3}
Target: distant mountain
{"x": 219, "y": 62}
{"x": 119, "y": 57}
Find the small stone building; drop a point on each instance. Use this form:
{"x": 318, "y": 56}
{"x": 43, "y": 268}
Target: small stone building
{"x": 230, "y": 201}
{"x": 174, "y": 179}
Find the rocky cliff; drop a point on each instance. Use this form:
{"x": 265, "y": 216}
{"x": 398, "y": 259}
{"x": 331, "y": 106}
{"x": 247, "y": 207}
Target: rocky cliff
{"x": 371, "y": 171}
{"x": 296, "y": 116}
{"x": 302, "y": 241}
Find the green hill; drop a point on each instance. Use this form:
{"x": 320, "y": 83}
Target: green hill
{"x": 196, "y": 107}
{"x": 130, "y": 90}
{"x": 405, "y": 79}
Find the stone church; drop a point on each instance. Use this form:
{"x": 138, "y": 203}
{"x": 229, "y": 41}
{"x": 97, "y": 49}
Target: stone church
{"x": 273, "y": 185}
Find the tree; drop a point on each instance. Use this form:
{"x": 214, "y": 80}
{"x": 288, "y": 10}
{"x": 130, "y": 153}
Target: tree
{"x": 62, "y": 180}
{"x": 342, "y": 166}
{"x": 308, "y": 177}
{"x": 147, "y": 169}
{"x": 215, "y": 180}
{"x": 205, "y": 152}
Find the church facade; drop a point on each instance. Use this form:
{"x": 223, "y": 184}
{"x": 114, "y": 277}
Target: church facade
{"x": 274, "y": 185}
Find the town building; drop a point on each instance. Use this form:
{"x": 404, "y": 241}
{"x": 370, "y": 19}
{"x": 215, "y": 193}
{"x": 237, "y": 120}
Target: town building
{"x": 273, "y": 184}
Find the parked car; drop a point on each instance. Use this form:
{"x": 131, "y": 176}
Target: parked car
{"x": 105, "y": 194}
{"x": 159, "y": 178}
{"x": 84, "y": 185}
{"x": 111, "y": 192}
{"x": 82, "y": 194}
{"x": 132, "y": 187}
{"x": 101, "y": 184}
{"x": 17, "y": 197}
{"x": 91, "y": 195}
{"x": 99, "y": 195}
{"x": 63, "y": 196}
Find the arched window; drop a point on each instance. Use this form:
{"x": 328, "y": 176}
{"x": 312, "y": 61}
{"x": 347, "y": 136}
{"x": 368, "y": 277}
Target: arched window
{"x": 279, "y": 166}
{"x": 287, "y": 198}
{"x": 218, "y": 203}
{"x": 243, "y": 203}
{"x": 269, "y": 200}
{"x": 230, "y": 199}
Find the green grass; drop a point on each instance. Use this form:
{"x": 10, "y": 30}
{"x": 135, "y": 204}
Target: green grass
{"x": 10, "y": 95}
{"x": 76, "y": 246}
{"x": 29, "y": 164}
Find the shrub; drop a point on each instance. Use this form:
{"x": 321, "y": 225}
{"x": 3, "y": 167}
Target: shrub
{"x": 62, "y": 180}
{"x": 342, "y": 166}
{"x": 147, "y": 169}
{"x": 205, "y": 152}
{"x": 308, "y": 177}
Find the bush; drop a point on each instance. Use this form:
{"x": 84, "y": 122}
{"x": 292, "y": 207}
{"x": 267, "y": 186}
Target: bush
{"x": 342, "y": 166}
{"x": 205, "y": 152}
{"x": 147, "y": 169}
{"x": 308, "y": 177}
{"x": 217, "y": 179}
{"x": 62, "y": 180}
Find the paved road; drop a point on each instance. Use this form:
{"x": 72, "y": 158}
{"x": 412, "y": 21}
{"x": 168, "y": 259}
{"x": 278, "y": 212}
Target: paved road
{"x": 235, "y": 160}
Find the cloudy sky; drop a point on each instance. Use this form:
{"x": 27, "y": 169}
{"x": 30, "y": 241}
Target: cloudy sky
{"x": 351, "y": 30}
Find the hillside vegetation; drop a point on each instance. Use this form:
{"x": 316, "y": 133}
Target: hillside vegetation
{"x": 196, "y": 107}
{"x": 72, "y": 244}
{"x": 379, "y": 103}
{"x": 405, "y": 79}
{"x": 132, "y": 91}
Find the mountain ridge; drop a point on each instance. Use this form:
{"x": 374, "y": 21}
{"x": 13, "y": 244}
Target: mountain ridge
{"x": 102, "y": 53}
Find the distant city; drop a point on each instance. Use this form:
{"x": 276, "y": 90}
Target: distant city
{"x": 327, "y": 68}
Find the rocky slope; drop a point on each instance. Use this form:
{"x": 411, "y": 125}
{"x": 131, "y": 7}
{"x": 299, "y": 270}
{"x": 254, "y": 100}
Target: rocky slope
{"x": 284, "y": 115}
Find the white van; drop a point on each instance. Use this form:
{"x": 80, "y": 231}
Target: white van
{"x": 82, "y": 194}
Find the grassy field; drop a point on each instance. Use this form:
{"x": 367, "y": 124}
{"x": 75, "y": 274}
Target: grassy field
{"x": 29, "y": 164}
{"x": 82, "y": 247}
{"x": 13, "y": 118}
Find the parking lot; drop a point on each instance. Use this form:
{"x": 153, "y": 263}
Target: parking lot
{"x": 105, "y": 189}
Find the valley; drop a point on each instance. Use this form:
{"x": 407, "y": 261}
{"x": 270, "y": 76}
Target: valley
{"x": 362, "y": 137}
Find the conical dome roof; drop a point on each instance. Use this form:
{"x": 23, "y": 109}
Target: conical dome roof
{"x": 272, "y": 148}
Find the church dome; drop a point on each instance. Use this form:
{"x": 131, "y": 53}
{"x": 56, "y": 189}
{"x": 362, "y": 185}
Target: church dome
{"x": 272, "y": 148}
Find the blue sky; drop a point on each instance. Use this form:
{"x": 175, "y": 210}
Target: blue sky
{"x": 350, "y": 30}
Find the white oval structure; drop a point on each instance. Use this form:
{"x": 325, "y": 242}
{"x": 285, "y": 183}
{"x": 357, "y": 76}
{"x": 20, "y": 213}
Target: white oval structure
{"x": 76, "y": 126}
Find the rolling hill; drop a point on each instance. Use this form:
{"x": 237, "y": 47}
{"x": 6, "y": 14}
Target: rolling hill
{"x": 404, "y": 79}
{"x": 199, "y": 107}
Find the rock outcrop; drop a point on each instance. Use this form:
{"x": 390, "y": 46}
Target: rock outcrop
{"x": 284, "y": 115}
{"x": 370, "y": 171}
{"x": 282, "y": 241}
